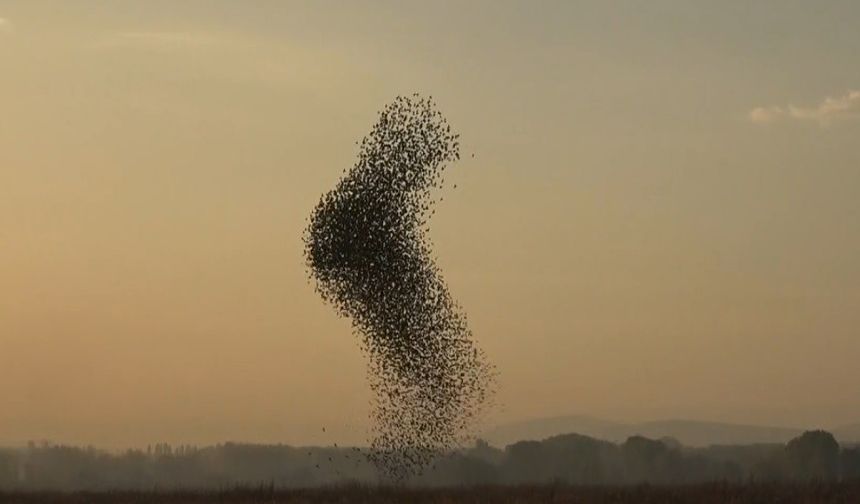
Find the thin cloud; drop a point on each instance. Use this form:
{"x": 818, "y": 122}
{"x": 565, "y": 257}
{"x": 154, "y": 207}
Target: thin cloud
{"x": 828, "y": 112}
{"x": 764, "y": 115}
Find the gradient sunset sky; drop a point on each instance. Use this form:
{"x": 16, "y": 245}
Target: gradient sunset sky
{"x": 661, "y": 218}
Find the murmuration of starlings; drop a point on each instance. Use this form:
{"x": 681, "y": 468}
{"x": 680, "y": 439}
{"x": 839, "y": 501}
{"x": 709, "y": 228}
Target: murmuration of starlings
{"x": 369, "y": 255}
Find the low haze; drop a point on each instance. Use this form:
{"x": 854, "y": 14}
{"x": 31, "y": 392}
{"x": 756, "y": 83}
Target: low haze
{"x": 656, "y": 213}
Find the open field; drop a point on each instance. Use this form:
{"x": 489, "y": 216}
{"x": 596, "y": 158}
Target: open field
{"x": 643, "y": 494}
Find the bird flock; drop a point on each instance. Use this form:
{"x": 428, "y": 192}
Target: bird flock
{"x": 366, "y": 247}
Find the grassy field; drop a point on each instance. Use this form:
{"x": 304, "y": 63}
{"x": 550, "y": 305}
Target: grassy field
{"x": 698, "y": 494}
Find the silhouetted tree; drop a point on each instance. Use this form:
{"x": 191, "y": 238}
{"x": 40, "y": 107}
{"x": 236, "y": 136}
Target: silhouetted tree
{"x": 483, "y": 451}
{"x": 524, "y": 462}
{"x": 814, "y": 455}
{"x": 650, "y": 460}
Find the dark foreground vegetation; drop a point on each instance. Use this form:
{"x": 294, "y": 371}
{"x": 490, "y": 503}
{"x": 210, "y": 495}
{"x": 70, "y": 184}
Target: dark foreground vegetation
{"x": 571, "y": 459}
{"x": 709, "y": 493}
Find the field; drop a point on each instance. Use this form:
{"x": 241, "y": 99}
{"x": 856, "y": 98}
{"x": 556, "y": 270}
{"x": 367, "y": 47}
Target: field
{"x": 644, "y": 494}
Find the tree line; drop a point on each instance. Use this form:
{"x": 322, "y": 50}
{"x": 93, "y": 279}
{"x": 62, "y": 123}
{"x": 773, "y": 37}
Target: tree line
{"x": 569, "y": 458}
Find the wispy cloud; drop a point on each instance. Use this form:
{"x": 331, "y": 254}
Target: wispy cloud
{"x": 825, "y": 114}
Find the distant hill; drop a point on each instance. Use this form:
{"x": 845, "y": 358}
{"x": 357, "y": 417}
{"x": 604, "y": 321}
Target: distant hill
{"x": 688, "y": 432}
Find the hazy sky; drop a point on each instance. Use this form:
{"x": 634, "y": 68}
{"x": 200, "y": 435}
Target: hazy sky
{"x": 661, "y": 219}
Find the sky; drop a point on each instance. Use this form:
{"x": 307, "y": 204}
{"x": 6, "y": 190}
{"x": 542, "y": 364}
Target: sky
{"x": 661, "y": 218}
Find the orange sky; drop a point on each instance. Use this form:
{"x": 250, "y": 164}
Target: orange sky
{"x": 660, "y": 219}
